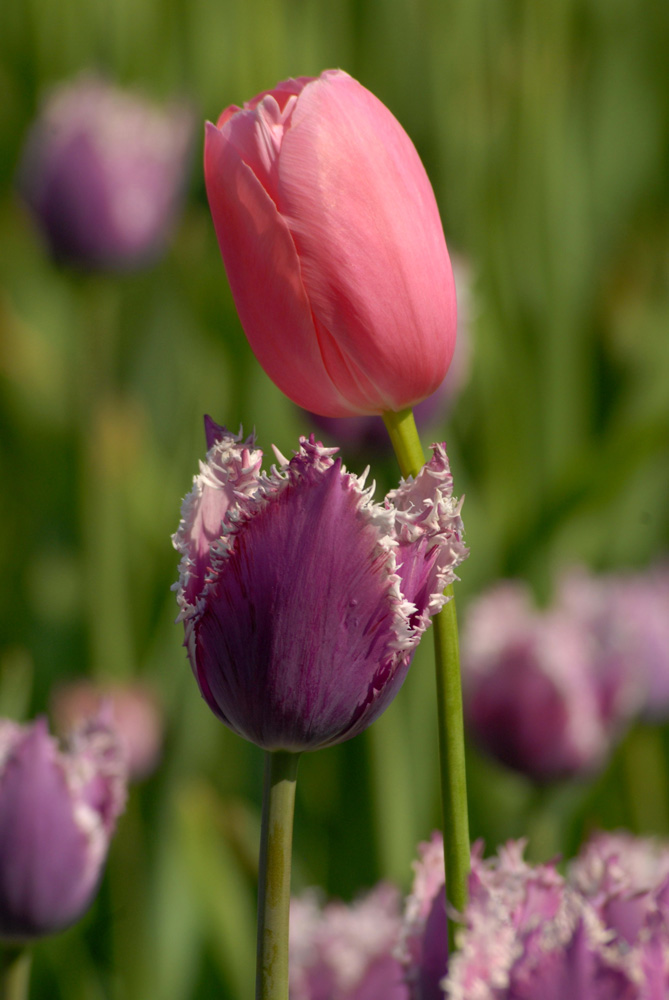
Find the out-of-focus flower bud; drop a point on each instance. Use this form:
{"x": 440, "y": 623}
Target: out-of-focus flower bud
{"x": 535, "y": 696}
{"x": 627, "y": 616}
{"x": 320, "y": 200}
{"x": 58, "y": 810}
{"x": 345, "y": 952}
{"x": 103, "y": 172}
{"x": 302, "y": 599}
{"x": 133, "y": 709}
{"x": 597, "y": 605}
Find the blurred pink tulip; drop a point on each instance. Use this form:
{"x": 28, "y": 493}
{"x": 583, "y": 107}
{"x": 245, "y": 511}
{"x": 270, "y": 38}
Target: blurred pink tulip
{"x": 134, "y": 712}
{"x": 334, "y": 248}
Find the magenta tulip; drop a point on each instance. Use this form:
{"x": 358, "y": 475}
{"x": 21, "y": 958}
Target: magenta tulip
{"x": 302, "y": 599}
{"x": 333, "y": 245}
{"x": 58, "y": 811}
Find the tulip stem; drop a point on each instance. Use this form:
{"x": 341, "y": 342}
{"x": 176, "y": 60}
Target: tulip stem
{"x": 276, "y": 841}
{"x": 404, "y": 437}
{"x": 14, "y": 972}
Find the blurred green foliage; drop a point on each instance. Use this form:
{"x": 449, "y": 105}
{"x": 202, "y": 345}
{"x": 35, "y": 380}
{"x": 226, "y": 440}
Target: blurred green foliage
{"x": 545, "y": 130}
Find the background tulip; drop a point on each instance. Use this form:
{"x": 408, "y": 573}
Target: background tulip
{"x": 102, "y": 172}
{"x": 134, "y": 710}
{"x": 600, "y": 933}
{"x": 539, "y": 694}
{"x": 334, "y": 248}
{"x": 58, "y": 810}
{"x": 303, "y": 600}
{"x": 346, "y": 951}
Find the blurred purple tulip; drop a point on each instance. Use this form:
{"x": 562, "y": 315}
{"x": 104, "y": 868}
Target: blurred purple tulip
{"x": 345, "y": 952}
{"x": 534, "y": 693}
{"x": 103, "y": 171}
{"x": 627, "y": 616}
{"x": 58, "y": 811}
{"x": 303, "y": 600}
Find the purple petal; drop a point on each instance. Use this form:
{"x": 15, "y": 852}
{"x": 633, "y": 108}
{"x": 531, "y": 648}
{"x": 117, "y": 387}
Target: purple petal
{"x": 301, "y": 611}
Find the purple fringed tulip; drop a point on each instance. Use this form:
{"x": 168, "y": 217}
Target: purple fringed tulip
{"x": 346, "y": 952}
{"x": 626, "y": 879}
{"x": 531, "y": 934}
{"x": 320, "y": 199}
{"x": 536, "y": 694}
{"x": 103, "y": 172}
{"x": 424, "y": 942}
{"x": 58, "y": 811}
{"x": 302, "y": 599}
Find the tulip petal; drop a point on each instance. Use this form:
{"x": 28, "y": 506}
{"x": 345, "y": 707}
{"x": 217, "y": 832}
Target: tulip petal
{"x": 370, "y": 243}
{"x": 264, "y": 273}
{"x": 56, "y": 817}
{"x": 320, "y": 617}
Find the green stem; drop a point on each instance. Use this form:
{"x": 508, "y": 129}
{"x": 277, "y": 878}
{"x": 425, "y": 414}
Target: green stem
{"x": 276, "y": 842}
{"x": 404, "y": 436}
{"x": 14, "y": 972}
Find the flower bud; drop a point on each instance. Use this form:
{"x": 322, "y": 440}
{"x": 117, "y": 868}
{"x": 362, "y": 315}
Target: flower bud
{"x": 536, "y": 695}
{"x": 321, "y": 203}
{"x": 103, "y": 171}
{"x": 58, "y": 811}
{"x": 302, "y": 599}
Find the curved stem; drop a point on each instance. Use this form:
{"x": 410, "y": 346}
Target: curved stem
{"x": 404, "y": 436}
{"x": 276, "y": 841}
{"x": 14, "y": 972}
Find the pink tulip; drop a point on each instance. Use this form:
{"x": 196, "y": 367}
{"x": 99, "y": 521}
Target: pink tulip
{"x": 334, "y": 248}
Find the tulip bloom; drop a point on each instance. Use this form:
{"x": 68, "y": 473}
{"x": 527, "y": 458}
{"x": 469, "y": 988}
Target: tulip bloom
{"x": 134, "y": 710}
{"x": 333, "y": 245}
{"x": 303, "y": 600}
{"x": 600, "y": 933}
{"x": 538, "y": 694}
{"x": 103, "y": 171}
{"x": 57, "y": 815}
{"x": 346, "y": 951}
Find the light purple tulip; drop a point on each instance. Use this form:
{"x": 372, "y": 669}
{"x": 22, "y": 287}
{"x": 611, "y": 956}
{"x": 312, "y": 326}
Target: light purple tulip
{"x": 531, "y": 934}
{"x": 598, "y": 604}
{"x": 58, "y": 811}
{"x": 345, "y": 952}
{"x": 627, "y": 615}
{"x": 424, "y": 944}
{"x": 302, "y": 599}
{"x": 534, "y": 692}
{"x": 103, "y": 171}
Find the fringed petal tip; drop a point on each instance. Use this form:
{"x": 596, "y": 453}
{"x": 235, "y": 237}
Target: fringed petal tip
{"x": 430, "y": 532}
